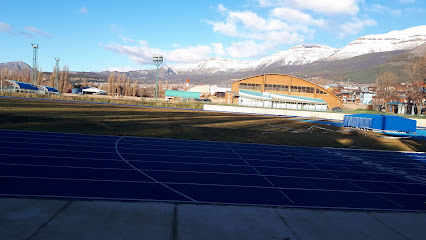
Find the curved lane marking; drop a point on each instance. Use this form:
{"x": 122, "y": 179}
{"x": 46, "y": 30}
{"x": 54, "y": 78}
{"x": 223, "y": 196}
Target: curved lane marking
{"x": 146, "y": 175}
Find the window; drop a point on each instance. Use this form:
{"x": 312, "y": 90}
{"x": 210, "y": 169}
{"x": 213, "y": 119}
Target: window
{"x": 320, "y": 91}
{"x": 250, "y": 86}
{"x": 302, "y": 89}
{"x": 274, "y": 87}
{"x": 310, "y": 90}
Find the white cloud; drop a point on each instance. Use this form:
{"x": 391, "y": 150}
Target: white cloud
{"x": 218, "y": 49}
{"x": 188, "y": 55}
{"x": 139, "y": 54}
{"x": 38, "y": 32}
{"x": 257, "y": 35}
{"x": 5, "y": 27}
{"x": 229, "y": 28}
{"x": 142, "y": 53}
{"x": 291, "y": 15}
{"x": 328, "y": 7}
{"x": 221, "y": 7}
{"x": 354, "y": 26}
{"x": 29, "y": 32}
{"x": 377, "y": 8}
{"x": 250, "y": 20}
{"x": 115, "y": 28}
{"x": 246, "y": 49}
{"x": 125, "y": 39}
{"x": 296, "y": 16}
{"x": 83, "y": 10}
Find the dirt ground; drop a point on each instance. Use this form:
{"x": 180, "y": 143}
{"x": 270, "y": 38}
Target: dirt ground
{"x": 353, "y": 106}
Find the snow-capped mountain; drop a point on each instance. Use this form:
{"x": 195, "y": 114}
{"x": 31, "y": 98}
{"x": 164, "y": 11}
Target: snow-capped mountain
{"x": 406, "y": 39}
{"x": 308, "y": 53}
{"x": 298, "y": 55}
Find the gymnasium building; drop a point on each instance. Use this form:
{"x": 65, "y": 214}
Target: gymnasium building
{"x": 281, "y": 91}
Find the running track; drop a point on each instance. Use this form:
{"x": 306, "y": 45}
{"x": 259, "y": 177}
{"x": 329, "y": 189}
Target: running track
{"x": 77, "y": 166}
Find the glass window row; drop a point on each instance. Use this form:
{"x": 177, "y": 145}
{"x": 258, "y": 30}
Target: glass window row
{"x": 252, "y": 86}
{"x": 282, "y": 88}
{"x": 302, "y": 89}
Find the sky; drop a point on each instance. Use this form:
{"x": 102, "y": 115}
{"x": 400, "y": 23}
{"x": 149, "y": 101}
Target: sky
{"x": 123, "y": 35}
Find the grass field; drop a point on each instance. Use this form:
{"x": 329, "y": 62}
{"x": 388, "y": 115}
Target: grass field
{"x": 106, "y": 119}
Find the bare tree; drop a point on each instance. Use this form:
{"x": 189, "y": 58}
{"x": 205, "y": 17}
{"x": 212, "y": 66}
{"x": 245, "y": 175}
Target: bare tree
{"x": 135, "y": 87}
{"x": 52, "y": 78}
{"x": 386, "y": 86}
{"x": 417, "y": 73}
{"x": 40, "y": 76}
{"x": 67, "y": 83}
{"x": 128, "y": 87}
{"x": 84, "y": 83}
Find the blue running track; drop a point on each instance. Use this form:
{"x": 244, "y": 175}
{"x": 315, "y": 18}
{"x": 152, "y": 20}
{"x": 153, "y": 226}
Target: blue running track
{"x": 77, "y": 166}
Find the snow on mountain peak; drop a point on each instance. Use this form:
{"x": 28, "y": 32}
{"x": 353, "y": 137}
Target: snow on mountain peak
{"x": 301, "y": 54}
{"x": 297, "y": 55}
{"x": 406, "y": 39}
{"x": 308, "y": 53}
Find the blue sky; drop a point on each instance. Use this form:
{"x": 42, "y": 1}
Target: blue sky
{"x": 122, "y": 35}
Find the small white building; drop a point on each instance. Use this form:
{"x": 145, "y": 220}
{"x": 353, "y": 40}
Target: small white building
{"x": 95, "y": 91}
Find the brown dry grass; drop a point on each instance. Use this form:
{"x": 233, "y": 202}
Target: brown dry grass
{"x": 54, "y": 116}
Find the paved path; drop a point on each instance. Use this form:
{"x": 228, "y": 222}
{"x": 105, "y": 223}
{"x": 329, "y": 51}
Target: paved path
{"x": 31, "y": 219}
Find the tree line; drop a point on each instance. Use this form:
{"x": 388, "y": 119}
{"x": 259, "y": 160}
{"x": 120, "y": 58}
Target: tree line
{"x": 118, "y": 83}
{"x": 121, "y": 85}
{"x": 387, "y": 84}
{"x": 25, "y": 75}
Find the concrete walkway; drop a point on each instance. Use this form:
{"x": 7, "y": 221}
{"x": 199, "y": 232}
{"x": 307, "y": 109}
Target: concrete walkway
{"x": 30, "y": 219}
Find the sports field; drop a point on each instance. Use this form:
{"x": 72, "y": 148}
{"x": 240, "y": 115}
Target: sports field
{"x": 107, "y": 119}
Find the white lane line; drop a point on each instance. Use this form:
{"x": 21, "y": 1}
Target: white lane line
{"x": 286, "y": 196}
{"x": 91, "y": 137}
{"x": 398, "y": 187}
{"x": 356, "y": 185}
{"x": 146, "y": 175}
{"x": 205, "y": 202}
{"x": 219, "y": 185}
{"x": 345, "y": 168}
{"x": 204, "y": 157}
{"x": 319, "y": 169}
{"x": 201, "y": 172}
{"x": 390, "y": 201}
{"x": 210, "y": 164}
{"x": 258, "y": 172}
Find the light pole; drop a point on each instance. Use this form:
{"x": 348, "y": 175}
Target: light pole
{"x": 35, "y": 47}
{"x": 57, "y": 74}
{"x": 158, "y": 59}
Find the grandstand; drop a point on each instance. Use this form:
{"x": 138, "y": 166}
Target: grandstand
{"x": 16, "y": 86}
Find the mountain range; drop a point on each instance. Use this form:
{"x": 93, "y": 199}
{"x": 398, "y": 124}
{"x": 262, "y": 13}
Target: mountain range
{"x": 360, "y": 60}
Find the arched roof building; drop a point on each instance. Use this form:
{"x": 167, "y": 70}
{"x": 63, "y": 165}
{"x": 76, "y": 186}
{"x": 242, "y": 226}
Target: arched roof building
{"x": 281, "y": 91}
{"x": 16, "y": 86}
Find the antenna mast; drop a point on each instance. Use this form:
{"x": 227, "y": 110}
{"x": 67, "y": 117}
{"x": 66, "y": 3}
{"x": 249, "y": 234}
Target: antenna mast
{"x": 57, "y": 74}
{"x": 35, "y": 67}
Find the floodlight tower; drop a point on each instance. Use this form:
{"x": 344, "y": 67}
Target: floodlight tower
{"x": 158, "y": 59}
{"x": 35, "y": 53}
{"x": 57, "y": 74}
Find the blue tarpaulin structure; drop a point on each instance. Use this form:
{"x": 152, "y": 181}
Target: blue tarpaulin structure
{"x": 23, "y": 85}
{"x": 380, "y": 122}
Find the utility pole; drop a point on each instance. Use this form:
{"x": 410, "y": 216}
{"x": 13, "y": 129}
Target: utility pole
{"x": 158, "y": 59}
{"x": 57, "y": 74}
{"x": 35, "y": 67}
